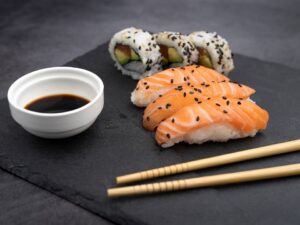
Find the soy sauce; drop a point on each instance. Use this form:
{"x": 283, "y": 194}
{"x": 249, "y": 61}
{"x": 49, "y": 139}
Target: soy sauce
{"x": 57, "y": 103}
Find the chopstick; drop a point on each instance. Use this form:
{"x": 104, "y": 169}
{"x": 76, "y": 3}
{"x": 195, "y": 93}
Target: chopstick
{"x": 222, "y": 179}
{"x": 254, "y": 153}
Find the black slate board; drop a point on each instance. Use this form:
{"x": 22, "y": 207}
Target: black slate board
{"x": 82, "y": 167}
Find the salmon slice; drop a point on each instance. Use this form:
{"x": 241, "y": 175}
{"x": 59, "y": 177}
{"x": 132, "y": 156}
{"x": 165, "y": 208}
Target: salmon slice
{"x": 150, "y": 88}
{"x": 186, "y": 94}
{"x": 218, "y": 119}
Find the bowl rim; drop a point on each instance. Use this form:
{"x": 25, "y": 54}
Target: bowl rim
{"x": 55, "y": 69}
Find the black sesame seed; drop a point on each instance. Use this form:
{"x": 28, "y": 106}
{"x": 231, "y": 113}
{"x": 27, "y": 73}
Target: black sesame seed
{"x": 172, "y": 81}
{"x": 147, "y": 87}
{"x": 239, "y": 103}
{"x": 208, "y": 98}
{"x": 173, "y": 120}
{"x": 145, "y": 83}
{"x": 184, "y": 78}
{"x": 168, "y": 136}
{"x": 192, "y": 71}
{"x": 168, "y": 105}
{"x": 148, "y": 119}
{"x": 224, "y": 97}
{"x": 197, "y": 118}
{"x": 227, "y": 102}
{"x": 160, "y": 108}
{"x": 218, "y": 104}
{"x": 196, "y": 99}
{"x": 159, "y": 95}
{"x": 140, "y": 47}
{"x": 207, "y": 85}
{"x": 224, "y": 111}
{"x": 191, "y": 92}
{"x": 184, "y": 94}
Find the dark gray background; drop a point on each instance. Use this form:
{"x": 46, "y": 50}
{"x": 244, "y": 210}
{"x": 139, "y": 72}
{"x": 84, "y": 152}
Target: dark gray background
{"x": 36, "y": 34}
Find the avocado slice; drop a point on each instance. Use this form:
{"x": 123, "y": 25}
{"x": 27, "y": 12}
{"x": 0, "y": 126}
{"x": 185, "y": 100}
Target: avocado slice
{"x": 205, "y": 61}
{"x": 121, "y": 56}
{"x": 204, "y": 58}
{"x": 134, "y": 56}
{"x": 174, "y": 57}
{"x": 164, "y": 61}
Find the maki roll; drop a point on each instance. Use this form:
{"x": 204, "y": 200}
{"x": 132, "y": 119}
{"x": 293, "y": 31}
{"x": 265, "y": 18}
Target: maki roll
{"x": 213, "y": 51}
{"x": 176, "y": 49}
{"x": 135, "y": 52}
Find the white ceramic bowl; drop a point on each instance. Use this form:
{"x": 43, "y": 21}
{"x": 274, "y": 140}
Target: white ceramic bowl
{"x": 50, "y": 81}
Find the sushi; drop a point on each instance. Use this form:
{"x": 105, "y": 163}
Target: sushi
{"x": 176, "y": 49}
{"x": 213, "y": 51}
{"x": 213, "y": 120}
{"x": 184, "y": 95}
{"x": 150, "y": 88}
{"x": 135, "y": 52}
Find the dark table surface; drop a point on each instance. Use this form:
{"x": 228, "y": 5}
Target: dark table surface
{"x": 37, "y": 34}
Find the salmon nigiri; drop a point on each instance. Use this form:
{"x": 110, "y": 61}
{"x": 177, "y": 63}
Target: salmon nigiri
{"x": 214, "y": 120}
{"x": 183, "y": 95}
{"x": 150, "y": 88}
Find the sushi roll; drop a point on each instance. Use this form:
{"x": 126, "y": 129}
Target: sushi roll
{"x": 184, "y": 95}
{"x": 135, "y": 52}
{"x": 176, "y": 49}
{"x": 150, "y": 88}
{"x": 214, "y": 120}
{"x": 213, "y": 51}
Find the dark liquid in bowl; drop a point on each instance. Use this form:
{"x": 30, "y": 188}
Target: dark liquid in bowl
{"x": 57, "y": 103}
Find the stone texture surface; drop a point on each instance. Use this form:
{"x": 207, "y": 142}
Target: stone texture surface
{"x": 36, "y": 34}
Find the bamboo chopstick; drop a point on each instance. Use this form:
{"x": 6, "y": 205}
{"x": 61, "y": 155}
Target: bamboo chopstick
{"x": 222, "y": 179}
{"x": 254, "y": 153}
